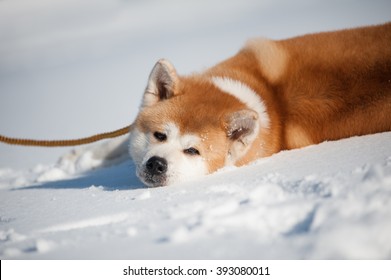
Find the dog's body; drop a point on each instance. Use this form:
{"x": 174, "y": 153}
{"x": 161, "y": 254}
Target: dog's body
{"x": 271, "y": 96}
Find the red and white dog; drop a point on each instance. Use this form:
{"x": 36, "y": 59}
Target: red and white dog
{"x": 270, "y": 96}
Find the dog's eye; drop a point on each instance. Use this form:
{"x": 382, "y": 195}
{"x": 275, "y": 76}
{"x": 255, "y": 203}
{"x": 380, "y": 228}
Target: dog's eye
{"x": 160, "y": 136}
{"x": 191, "y": 151}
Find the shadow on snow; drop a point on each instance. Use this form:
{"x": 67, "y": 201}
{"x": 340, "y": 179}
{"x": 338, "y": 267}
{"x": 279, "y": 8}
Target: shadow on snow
{"x": 118, "y": 177}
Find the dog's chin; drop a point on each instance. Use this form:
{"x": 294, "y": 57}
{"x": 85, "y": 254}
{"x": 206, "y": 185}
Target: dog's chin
{"x": 152, "y": 184}
{"x": 152, "y": 181}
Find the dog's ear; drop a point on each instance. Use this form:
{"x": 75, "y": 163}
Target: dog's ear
{"x": 241, "y": 128}
{"x": 161, "y": 83}
{"x": 240, "y": 124}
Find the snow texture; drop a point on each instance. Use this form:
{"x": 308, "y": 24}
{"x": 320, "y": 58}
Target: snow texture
{"x": 86, "y": 63}
{"x": 328, "y": 201}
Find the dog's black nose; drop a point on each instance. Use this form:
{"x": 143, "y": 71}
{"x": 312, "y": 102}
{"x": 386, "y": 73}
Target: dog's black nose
{"x": 156, "y": 165}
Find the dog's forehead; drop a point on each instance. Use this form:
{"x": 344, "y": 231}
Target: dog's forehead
{"x": 198, "y": 107}
{"x": 174, "y": 133}
{"x": 188, "y": 116}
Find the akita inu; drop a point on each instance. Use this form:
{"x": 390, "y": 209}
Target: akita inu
{"x": 271, "y": 96}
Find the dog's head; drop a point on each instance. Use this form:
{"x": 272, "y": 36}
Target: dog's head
{"x": 188, "y": 127}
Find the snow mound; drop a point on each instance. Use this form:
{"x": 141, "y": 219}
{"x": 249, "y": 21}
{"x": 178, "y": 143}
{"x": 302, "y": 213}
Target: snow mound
{"x": 328, "y": 201}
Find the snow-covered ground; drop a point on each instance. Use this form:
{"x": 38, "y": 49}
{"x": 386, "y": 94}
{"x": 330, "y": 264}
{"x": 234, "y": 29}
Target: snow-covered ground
{"x": 74, "y": 68}
{"x": 332, "y": 200}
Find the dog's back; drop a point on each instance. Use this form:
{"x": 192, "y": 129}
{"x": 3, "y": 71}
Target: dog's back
{"x": 318, "y": 87}
{"x": 337, "y": 84}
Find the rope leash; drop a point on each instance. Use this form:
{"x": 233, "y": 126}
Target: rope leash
{"x": 65, "y": 143}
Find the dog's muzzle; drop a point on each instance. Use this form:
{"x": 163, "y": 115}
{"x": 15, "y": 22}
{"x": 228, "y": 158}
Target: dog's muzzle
{"x": 156, "y": 166}
{"x": 155, "y": 170}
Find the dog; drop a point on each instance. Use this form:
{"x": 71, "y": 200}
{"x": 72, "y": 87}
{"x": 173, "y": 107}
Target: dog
{"x": 273, "y": 95}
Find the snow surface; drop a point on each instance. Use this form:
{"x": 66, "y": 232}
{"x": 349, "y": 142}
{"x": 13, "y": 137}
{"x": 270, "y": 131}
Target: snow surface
{"x": 328, "y": 201}
{"x": 72, "y": 68}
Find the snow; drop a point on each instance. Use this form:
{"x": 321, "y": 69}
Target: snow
{"x": 58, "y": 62}
{"x": 328, "y": 201}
